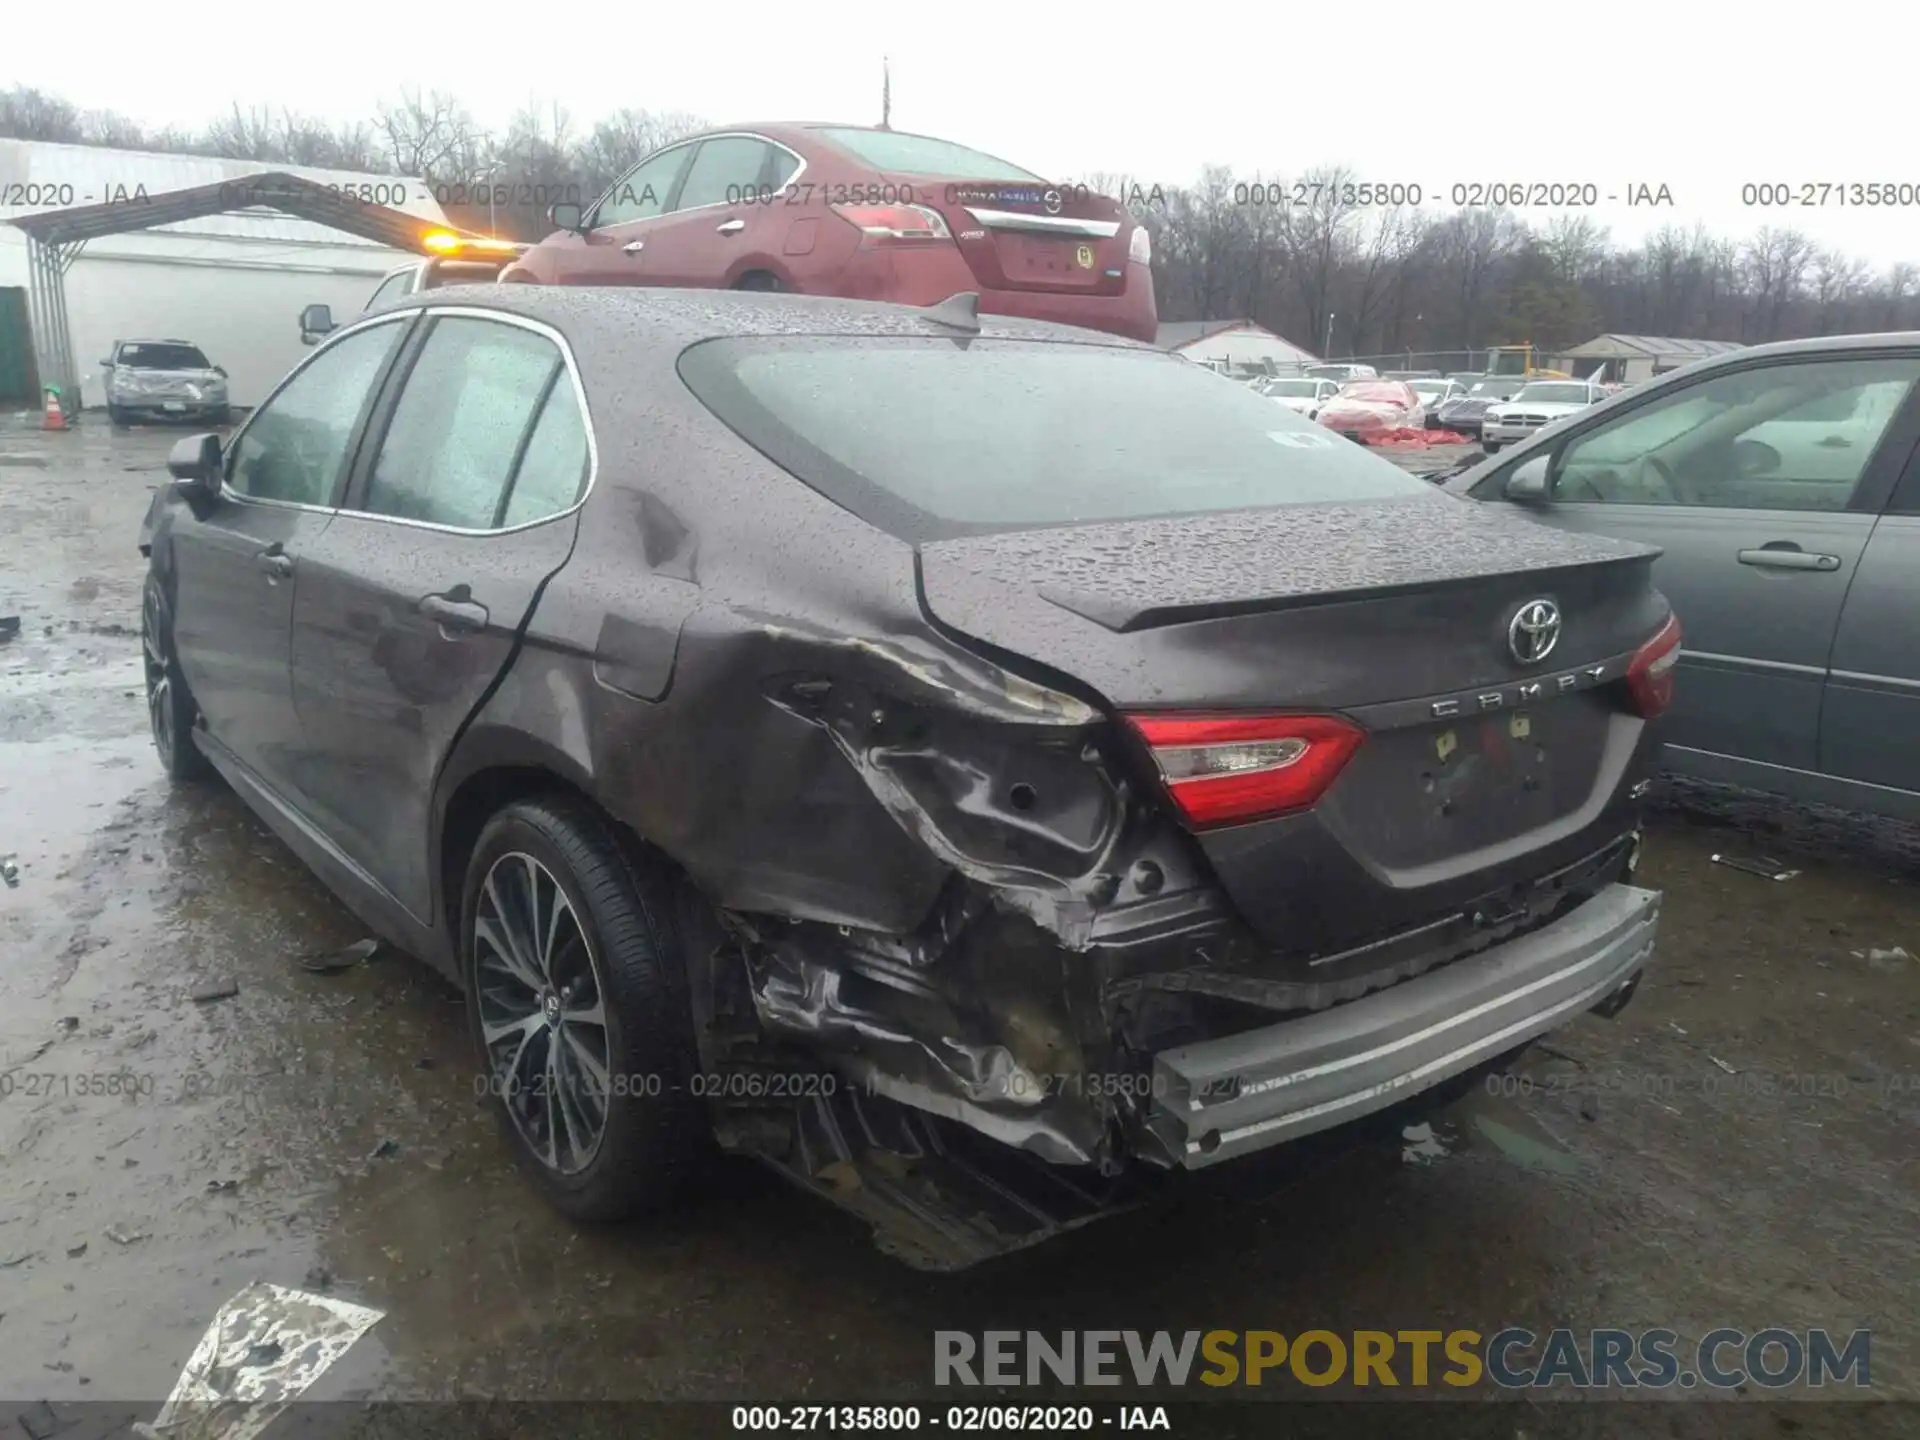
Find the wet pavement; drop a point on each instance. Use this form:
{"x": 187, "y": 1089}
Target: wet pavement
{"x": 1739, "y": 1148}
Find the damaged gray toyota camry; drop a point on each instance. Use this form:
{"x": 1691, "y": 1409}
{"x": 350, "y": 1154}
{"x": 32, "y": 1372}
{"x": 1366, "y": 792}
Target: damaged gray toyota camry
{"x": 981, "y": 768}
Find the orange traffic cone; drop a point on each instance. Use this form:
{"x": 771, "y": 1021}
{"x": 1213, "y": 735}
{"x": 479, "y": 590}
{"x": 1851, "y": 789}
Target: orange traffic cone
{"x": 55, "y": 418}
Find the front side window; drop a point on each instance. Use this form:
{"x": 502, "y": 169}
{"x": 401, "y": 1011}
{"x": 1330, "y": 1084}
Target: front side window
{"x": 725, "y": 169}
{"x": 644, "y": 191}
{"x": 1779, "y": 437}
{"x": 928, "y": 439}
{"x": 461, "y": 422}
{"x": 294, "y": 446}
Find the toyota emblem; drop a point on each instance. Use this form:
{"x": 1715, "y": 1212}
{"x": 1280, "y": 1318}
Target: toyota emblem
{"x": 1534, "y": 631}
{"x": 1052, "y": 201}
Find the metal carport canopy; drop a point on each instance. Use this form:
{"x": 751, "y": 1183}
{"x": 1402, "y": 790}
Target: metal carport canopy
{"x": 56, "y": 237}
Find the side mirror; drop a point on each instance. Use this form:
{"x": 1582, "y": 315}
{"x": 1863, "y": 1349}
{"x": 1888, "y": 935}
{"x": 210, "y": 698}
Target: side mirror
{"x": 1528, "y": 484}
{"x": 195, "y": 464}
{"x": 315, "y": 321}
{"x": 565, "y": 216}
{"x": 221, "y": 371}
{"x": 107, "y": 363}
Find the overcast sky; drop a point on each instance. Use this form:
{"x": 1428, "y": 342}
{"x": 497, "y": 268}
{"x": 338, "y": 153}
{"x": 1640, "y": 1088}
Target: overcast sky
{"x": 1701, "y": 98}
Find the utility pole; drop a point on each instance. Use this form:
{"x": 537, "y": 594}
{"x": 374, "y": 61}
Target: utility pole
{"x": 886, "y": 93}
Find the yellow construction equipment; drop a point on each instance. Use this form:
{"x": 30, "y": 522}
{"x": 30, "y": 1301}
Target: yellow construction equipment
{"x": 1518, "y": 360}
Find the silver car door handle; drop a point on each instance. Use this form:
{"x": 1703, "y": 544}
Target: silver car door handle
{"x": 455, "y": 614}
{"x": 633, "y": 247}
{"x": 731, "y": 227}
{"x": 275, "y": 562}
{"x": 1789, "y": 560}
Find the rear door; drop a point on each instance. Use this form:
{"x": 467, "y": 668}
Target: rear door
{"x": 238, "y": 564}
{"x": 1762, "y": 484}
{"x": 623, "y": 221}
{"x": 463, "y": 504}
{"x": 1871, "y": 719}
{"x": 723, "y": 220}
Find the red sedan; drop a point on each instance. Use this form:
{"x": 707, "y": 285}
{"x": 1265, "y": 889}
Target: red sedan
{"x": 861, "y": 213}
{"x": 1371, "y": 409}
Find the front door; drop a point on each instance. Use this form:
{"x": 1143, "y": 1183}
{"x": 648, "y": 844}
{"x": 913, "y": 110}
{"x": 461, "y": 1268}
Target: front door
{"x": 1762, "y": 485}
{"x": 238, "y": 566}
{"x": 614, "y": 249}
{"x": 411, "y": 606}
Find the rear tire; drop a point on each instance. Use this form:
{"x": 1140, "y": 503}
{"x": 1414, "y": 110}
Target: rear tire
{"x": 117, "y": 416}
{"x": 760, "y": 280}
{"x": 171, "y": 712}
{"x": 1492, "y": 447}
{"x": 573, "y": 965}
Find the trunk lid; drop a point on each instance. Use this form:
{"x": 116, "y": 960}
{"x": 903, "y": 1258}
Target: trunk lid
{"x": 1395, "y": 615}
{"x": 1032, "y": 237}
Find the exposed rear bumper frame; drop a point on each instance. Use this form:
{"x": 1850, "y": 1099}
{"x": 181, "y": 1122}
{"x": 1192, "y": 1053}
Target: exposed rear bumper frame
{"x": 1222, "y": 1098}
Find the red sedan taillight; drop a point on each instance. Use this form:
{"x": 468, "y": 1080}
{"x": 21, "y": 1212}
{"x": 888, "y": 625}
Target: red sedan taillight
{"x": 1222, "y": 769}
{"x": 909, "y": 223}
{"x": 1650, "y": 674}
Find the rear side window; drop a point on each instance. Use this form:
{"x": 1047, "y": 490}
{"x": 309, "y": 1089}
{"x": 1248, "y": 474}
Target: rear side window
{"x": 933, "y": 438}
{"x": 462, "y": 422}
{"x": 554, "y": 470}
{"x": 725, "y": 169}
{"x": 923, "y": 155}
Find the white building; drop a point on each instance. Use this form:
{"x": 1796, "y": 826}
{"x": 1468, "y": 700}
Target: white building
{"x": 1232, "y": 345}
{"x": 233, "y": 282}
{"x": 1629, "y": 359}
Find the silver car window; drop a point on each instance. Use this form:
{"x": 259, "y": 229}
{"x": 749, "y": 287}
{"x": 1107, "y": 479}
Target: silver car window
{"x": 293, "y": 446}
{"x": 1778, "y": 437}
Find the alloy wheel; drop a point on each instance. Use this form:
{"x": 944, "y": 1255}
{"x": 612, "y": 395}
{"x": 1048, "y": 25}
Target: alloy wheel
{"x": 153, "y": 642}
{"x": 543, "y": 1013}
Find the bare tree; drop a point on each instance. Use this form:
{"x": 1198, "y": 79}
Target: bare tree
{"x": 27, "y": 114}
{"x": 427, "y": 135}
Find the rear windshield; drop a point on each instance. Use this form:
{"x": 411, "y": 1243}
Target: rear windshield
{"x": 930, "y": 439}
{"x": 160, "y": 355}
{"x": 922, "y": 155}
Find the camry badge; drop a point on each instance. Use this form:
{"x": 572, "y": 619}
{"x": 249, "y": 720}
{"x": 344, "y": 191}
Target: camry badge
{"x": 1534, "y": 631}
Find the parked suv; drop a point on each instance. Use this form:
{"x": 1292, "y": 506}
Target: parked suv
{"x": 792, "y": 726}
{"x": 164, "y": 379}
{"x": 862, "y": 213}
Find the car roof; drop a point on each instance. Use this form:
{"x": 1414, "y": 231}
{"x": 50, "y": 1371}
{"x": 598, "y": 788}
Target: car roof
{"x": 159, "y": 340}
{"x": 604, "y": 318}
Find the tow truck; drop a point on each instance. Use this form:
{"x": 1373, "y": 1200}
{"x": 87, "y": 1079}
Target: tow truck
{"x": 453, "y": 260}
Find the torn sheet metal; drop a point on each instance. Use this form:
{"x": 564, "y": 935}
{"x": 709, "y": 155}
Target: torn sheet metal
{"x": 263, "y": 1350}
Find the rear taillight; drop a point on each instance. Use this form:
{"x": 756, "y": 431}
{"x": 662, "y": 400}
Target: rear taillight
{"x": 1650, "y": 675}
{"x": 1222, "y": 769}
{"x": 1140, "y": 246}
{"x": 895, "y": 222}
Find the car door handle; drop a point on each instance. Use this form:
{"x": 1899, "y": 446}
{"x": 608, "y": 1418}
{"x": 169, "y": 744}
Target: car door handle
{"x": 1783, "y": 559}
{"x": 731, "y": 227}
{"x": 275, "y": 561}
{"x": 633, "y": 247}
{"x": 455, "y": 613}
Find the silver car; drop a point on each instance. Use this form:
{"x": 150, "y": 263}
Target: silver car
{"x": 164, "y": 379}
{"x": 1783, "y": 483}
